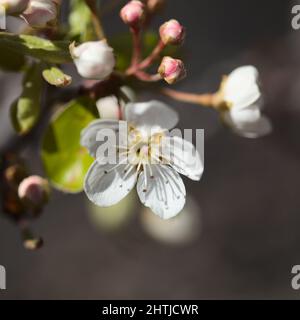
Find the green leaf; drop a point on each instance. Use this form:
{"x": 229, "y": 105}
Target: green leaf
{"x": 122, "y": 45}
{"x": 45, "y": 50}
{"x": 26, "y": 110}
{"x": 56, "y": 77}
{"x": 80, "y": 22}
{"x": 65, "y": 160}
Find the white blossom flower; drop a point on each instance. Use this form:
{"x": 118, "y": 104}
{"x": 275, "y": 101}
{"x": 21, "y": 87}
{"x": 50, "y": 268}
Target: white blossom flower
{"x": 242, "y": 97}
{"x": 40, "y": 12}
{"x": 153, "y": 161}
{"x": 93, "y": 59}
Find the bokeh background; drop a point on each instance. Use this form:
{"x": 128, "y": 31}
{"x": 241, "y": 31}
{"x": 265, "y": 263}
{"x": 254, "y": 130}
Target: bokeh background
{"x": 239, "y": 235}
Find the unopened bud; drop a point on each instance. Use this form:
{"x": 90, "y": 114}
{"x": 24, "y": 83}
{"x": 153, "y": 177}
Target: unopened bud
{"x": 14, "y": 6}
{"x": 33, "y": 244}
{"x": 172, "y": 70}
{"x": 133, "y": 13}
{"x": 94, "y": 59}
{"x": 34, "y": 191}
{"x": 155, "y": 5}
{"x": 172, "y": 32}
{"x": 40, "y": 12}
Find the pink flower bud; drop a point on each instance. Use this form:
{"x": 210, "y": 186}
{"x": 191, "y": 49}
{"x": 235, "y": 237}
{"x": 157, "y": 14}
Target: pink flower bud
{"x": 40, "y": 12}
{"x": 133, "y": 13}
{"x": 172, "y": 32}
{"x": 34, "y": 191}
{"x": 94, "y": 59}
{"x": 14, "y": 6}
{"x": 172, "y": 70}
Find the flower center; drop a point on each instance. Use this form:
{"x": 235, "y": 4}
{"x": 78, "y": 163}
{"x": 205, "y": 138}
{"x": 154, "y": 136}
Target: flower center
{"x": 143, "y": 147}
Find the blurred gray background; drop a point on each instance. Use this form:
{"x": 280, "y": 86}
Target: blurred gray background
{"x": 241, "y": 234}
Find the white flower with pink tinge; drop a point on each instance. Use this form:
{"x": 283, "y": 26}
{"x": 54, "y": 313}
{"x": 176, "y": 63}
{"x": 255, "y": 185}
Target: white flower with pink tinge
{"x": 241, "y": 96}
{"x": 93, "y": 59}
{"x": 153, "y": 160}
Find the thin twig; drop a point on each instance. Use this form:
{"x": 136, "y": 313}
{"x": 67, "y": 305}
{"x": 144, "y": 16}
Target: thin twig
{"x": 153, "y": 56}
{"x": 208, "y": 99}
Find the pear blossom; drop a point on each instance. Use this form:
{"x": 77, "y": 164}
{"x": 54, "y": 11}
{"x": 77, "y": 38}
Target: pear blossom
{"x": 241, "y": 96}
{"x": 40, "y": 12}
{"x": 153, "y": 160}
{"x": 93, "y": 59}
{"x": 14, "y": 6}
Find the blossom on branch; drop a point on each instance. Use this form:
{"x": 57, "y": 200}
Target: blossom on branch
{"x": 242, "y": 98}
{"x": 148, "y": 157}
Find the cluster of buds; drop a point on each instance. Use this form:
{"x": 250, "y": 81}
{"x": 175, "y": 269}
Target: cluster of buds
{"x": 23, "y": 197}
{"x": 170, "y": 69}
{"x": 171, "y": 33}
{"x": 37, "y": 13}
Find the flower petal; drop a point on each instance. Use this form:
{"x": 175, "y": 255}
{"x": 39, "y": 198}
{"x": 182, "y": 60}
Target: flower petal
{"x": 106, "y": 186}
{"x": 109, "y": 108}
{"x": 89, "y": 134}
{"x": 241, "y": 88}
{"x": 152, "y": 113}
{"x": 183, "y": 156}
{"x": 162, "y": 191}
{"x": 248, "y": 123}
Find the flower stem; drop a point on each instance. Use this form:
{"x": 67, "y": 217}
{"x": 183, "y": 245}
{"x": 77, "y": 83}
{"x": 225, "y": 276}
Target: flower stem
{"x": 153, "y": 56}
{"x": 141, "y": 75}
{"x": 208, "y": 99}
{"x": 147, "y": 62}
{"x": 137, "y": 47}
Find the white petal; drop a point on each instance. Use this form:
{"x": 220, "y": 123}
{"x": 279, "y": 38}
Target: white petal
{"x": 183, "y": 156}
{"x": 109, "y": 108}
{"x": 152, "y": 113}
{"x": 89, "y": 134}
{"x": 241, "y": 88}
{"x": 244, "y": 116}
{"x": 106, "y": 186}
{"x": 248, "y": 123}
{"x": 163, "y": 192}
{"x": 258, "y": 129}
